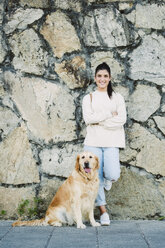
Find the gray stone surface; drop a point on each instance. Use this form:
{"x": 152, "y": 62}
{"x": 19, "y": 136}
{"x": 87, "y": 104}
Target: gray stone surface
{"x": 120, "y": 234}
{"x": 73, "y": 72}
{"x": 59, "y": 162}
{"x": 149, "y": 16}
{"x": 160, "y": 121}
{"x": 106, "y": 27}
{"x": 11, "y": 198}
{"x": 48, "y": 116}
{"x": 148, "y": 60}
{"x": 8, "y": 121}
{"x": 74, "y": 238}
{"x": 17, "y": 165}
{"x": 143, "y": 102}
{"x": 75, "y": 5}
{"x": 134, "y": 196}
{"x": 150, "y": 149}
{"x": 153, "y": 233}
{"x": 2, "y": 48}
{"x": 21, "y": 19}
{"x": 29, "y": 55}
{"x": 33, "y": 3}
{"x": 108, "y": 1}
{"x": 26, "y": 237}
{"x": 1, "y": 10}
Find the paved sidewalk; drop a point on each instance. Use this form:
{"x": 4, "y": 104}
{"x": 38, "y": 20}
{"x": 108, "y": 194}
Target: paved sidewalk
{"x": 120, "y": 234}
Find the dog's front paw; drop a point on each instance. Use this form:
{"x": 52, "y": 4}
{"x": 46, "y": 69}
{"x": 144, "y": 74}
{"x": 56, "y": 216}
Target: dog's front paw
{"x": 82, "y": 226}
{"x": 95, "y": 224}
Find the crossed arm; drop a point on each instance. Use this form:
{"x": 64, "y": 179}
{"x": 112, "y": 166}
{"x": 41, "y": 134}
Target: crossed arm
{"x": 110, "y": 120}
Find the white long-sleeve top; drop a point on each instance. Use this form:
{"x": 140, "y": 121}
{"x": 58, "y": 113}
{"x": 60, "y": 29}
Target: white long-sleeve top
{"x": 104, "y": 129}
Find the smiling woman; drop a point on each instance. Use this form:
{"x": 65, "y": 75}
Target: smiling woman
{"x": 104, "y": 114}
{"x": 102, "y": 79}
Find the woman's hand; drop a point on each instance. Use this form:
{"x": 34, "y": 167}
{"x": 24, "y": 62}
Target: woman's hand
{"x": 114, "y": 113}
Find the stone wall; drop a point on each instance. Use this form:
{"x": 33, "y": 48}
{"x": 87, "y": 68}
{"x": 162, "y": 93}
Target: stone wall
{"x": 48, "y": 53}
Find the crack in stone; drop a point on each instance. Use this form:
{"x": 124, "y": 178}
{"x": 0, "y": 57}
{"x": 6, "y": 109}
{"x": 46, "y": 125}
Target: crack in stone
{"x": 5, "y": 234}
{"x": 97, "y": 237}
{"x": 49, "y": 238}
{"x": 143, "y": 235}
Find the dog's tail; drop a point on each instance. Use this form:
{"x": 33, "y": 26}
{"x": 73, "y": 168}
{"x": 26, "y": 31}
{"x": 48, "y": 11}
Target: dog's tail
{"x": 40, "y": 222}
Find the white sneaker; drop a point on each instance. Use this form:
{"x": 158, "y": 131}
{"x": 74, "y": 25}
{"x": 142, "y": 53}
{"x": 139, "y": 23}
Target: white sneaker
{"x": 104, "y": 219}
{"x": 107, "y": 184}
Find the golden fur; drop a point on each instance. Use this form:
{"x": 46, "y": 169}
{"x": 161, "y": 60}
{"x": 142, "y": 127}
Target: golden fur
{"x": 74, "y": 200}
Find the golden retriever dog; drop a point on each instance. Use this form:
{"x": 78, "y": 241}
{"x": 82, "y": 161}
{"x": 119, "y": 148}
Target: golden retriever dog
{"x": 74, "y": 200}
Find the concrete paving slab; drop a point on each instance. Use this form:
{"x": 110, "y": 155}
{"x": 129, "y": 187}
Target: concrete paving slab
{"x": 5, "y": 227}
{"x": 153, "y": 233}
{"x": 6, "y": 223}
{"x": 120, "y": 234}
{"x": 71, "y": 237}
{"x": 4, "y": 231}
{"x": 29, "y": 237}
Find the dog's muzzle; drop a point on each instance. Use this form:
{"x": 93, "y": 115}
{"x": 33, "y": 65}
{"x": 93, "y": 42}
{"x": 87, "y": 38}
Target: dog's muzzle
{"x": 87, "y": 169}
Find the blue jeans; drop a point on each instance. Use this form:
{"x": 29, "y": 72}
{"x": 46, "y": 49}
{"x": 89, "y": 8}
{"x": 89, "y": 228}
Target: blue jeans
{"x": 109, "y": 168}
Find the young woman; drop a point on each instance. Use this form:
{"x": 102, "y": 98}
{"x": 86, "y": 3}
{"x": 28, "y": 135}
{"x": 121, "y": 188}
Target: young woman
{"x": 104, "y": 113}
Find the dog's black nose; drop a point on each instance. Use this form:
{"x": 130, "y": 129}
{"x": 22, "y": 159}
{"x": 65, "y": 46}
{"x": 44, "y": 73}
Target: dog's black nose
{"x": 86, "y": 164}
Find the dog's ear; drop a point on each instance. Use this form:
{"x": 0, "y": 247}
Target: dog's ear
{"x": 77, "y": 166}
{"x": 97, "y": 162}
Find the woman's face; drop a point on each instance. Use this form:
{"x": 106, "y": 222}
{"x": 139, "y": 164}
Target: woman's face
{"x": 102, "y": 79}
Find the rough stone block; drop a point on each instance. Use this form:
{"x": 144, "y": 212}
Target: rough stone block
{"x": 150, "y": 150}
{"x": 50, "y": 111}
{"x": 33, "y": 3}
{"x": 73, "y": 72}
{"x": 11, "y": 198}
{"x": 59, "y": 162}
{"x": 21, "y": 18}
{"x": 134, "y": 197}
{"x": 75, "y": 5}
{"x": 149, "y": 16}
{"x": 147, "y": 61}
{"x": 8, "y": 121}
{"x": 17, "y": 165}
{"x": 29, "y": 55}
{"x": 108, "y": 28}
{"x": 60, "y": 34}
{"x": 144, "y": 101}
{"x": 160, "y": 121}
{"x": 2, "y": 48}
